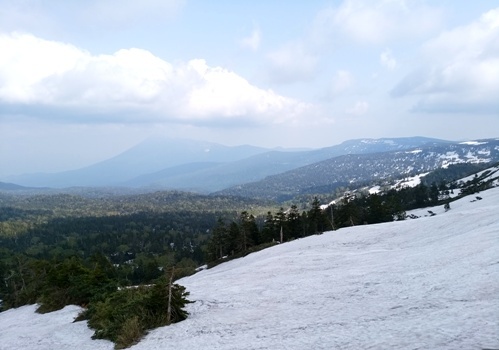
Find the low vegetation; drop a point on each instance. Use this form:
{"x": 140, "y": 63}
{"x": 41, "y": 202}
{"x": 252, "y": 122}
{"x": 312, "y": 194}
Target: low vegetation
{"x": 120, "y": 314}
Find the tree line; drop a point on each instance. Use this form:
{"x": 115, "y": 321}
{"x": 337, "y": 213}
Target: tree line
{"x": 234, "y": 238}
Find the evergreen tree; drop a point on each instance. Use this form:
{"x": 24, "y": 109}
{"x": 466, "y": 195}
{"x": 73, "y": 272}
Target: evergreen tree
{"x": 281, "y": 225}
{"x": 348, "y": 213}
{"x": 316, "y": 219}
{"x": 235, "y": 238}
{"x": 219, "y": 244}
{"x": 294, "y": 222}
{"x": 433, "y": 193}
{"x": 247, "y": 226}
{"x": 269, "y": 232}
{"x": 421, "y": 195}
{"x": 377, "y": 211}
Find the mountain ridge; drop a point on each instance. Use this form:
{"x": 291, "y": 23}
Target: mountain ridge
{"x": 236, "y": 165}
{"x": 358, "y": 169}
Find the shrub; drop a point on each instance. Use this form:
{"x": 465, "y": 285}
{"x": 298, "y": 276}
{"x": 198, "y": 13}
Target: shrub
{"x": 70, "y": 282}
{"x": 126, "y": 315}
{"x": 130, "y": 333}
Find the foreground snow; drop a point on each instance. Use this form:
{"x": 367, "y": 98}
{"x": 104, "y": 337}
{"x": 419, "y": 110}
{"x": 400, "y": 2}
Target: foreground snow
{"x": 22, "y": 328}
{"x": 429, "y": 283}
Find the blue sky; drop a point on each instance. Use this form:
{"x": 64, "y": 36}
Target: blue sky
{"x": 81, "y": 81}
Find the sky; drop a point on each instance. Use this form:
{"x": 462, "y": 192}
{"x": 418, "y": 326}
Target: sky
{"x": 82, "y": 81}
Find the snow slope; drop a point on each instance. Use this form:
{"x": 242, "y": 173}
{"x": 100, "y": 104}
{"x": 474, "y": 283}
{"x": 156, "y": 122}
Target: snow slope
{"x": 428, "y": 283}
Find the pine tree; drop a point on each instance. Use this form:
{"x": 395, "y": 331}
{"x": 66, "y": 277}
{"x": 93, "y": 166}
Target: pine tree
{"x": 294, "y": 222}
{"x": 269, "y": 228}
{"x": 219, "y": 244}
{"x": 315, "y": 218}
{"x": 281, "y": 225}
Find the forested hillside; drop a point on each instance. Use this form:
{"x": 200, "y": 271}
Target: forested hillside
{"x": 356, "y": 170}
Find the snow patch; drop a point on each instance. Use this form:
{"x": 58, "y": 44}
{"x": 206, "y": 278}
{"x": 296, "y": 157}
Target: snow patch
{"x": 409, "y": 181}
{"x": 416, "y": 151}
{"x": 473, "y": 143}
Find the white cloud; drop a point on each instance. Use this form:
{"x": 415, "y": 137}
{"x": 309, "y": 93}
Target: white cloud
{"x": 366, "y": 21}
{"x": 461, "y": 71}
{"x": 49, "y": 17}
{"x": 292, "y": 62}
{"x": 376, "y": 22}
{"x": 48, "y": 76}
{"x": 26, "y": 60}
{"x": 123, "y": 12}
{"x": 252, "y": 41}
{"x": 342, "y": 81}
{"x": 360, "y": 108}
{"x": 387, "y": 60}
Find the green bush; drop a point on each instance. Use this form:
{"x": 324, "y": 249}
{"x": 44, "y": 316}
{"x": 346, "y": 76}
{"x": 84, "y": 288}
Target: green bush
{"x": 126, "y": 315}
{"x": 70, "y": 282}
{"x": 130, "y": 333}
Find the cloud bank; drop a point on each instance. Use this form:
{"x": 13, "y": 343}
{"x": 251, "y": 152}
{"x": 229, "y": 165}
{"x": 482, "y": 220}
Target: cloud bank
{"x": 352, "y": 22}
{"x": 129, "y": 85}
{"x": 460, "y": 72}
{"x": 377, "y": 22}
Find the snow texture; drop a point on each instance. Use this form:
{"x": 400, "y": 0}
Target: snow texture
{"x": 428, "y": 283}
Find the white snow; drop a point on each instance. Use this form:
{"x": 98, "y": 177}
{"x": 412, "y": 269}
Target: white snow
{"x": 22, "y": 328}
{"x": 473, "y": 143}
{"x": 375, "y": 189}
{"x": 472, "y": 158}
{"x": 450, "y": 158}
{"x": 493, "y": 172}
{"x": 416, "y": 151}
{"x": 429, "y": 283}
{"x": 412, "y": 181}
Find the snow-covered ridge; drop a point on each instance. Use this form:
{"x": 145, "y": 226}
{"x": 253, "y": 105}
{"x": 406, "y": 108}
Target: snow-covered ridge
{"x": 488, "y": 174}
{"x": 430, "y": 283}
{"x": 357, "y": 169}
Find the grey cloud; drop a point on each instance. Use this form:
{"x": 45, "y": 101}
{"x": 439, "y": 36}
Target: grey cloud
{"x": 459, "y": 72}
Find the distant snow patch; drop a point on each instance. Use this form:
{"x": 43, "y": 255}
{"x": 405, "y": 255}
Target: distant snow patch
{"x": 472, "y": 143}
{"x": 409, "y": 181}
{"x": 416, "y": 151}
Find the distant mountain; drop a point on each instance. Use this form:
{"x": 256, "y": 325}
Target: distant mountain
{"x": 149, "y": 156}
{"x": 10, "y": 186}
{"x": 214, "y": 177}
{"x": 357, "y": 169}
{"x": 206, "y": 167}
